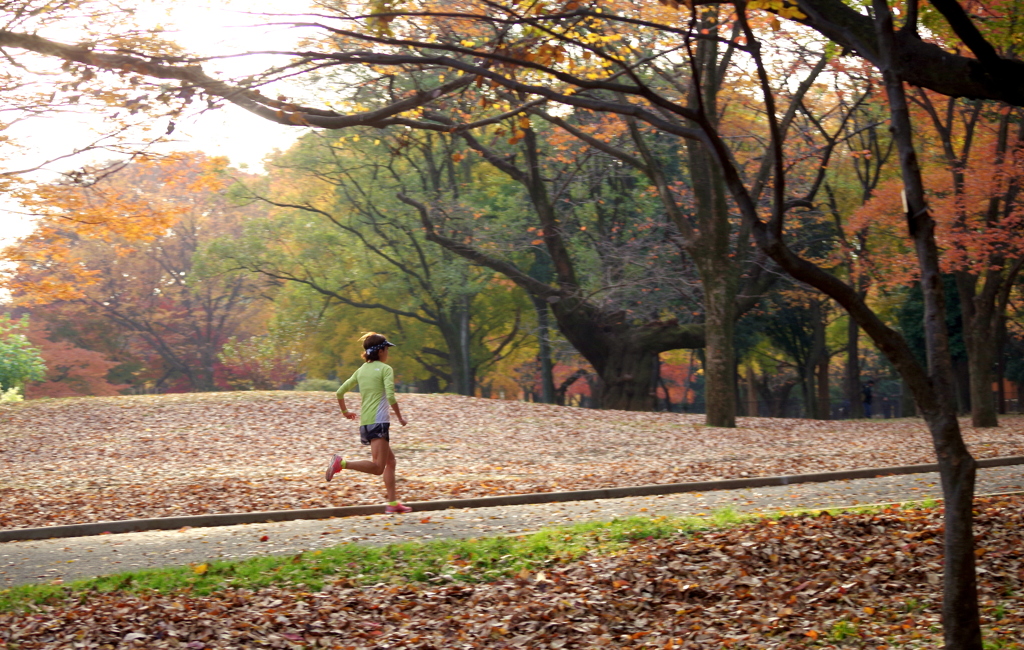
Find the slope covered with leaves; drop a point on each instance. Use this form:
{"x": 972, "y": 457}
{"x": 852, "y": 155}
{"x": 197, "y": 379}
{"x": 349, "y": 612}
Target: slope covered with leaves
{"x": 103, "y": 458}
{"x": 862, "y": 580}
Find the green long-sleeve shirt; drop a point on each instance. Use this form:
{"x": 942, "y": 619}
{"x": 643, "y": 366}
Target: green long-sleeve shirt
{"x": 376, "y": 387}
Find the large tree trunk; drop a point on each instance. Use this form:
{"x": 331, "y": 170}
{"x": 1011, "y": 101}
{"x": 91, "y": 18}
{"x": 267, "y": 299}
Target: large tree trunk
{"x": 629, "y": 379}
{"x": 719, "y": 351}
{"x": 709, "y": 245}
{"x": 598, "y": 335}
{"x": 623, "y": 355}
{"x": 454, "y": 329}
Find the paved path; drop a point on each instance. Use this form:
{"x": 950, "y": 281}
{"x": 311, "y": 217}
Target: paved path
{"x": 81, "y": 557}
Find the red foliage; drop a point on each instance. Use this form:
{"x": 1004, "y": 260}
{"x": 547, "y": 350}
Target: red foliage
{"x": 579, "y": 387}
{"x": 70, "y": 371}
{"x": 679, "y": 379}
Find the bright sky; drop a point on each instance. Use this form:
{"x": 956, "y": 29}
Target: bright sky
{"x": 210, "y": 27}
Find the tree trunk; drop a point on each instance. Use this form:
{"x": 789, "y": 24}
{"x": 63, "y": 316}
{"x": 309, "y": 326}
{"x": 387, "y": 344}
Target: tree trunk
{"x": 752, "y": 406}
{"x": 709, "y": 244}
{"x": 981, "y": 337}
{"x": 547, "y": 375}
{"x": 824, "y": 398}
{"x": 629, "y": 378}
{"x": 453, "y": 327}
{"x": 980, "y": 365}
{"x": 961, "y": 619}
{"x": 856, "y": 409}
{"x": 622, "y": 353}
{"x": 719, "y": 351}
{"x": 957, "y": 468}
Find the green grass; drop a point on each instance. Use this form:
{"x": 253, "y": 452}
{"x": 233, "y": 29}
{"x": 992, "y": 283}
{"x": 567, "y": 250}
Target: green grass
{"x": 842, "y": 630}
{"x": 467, "y": 560}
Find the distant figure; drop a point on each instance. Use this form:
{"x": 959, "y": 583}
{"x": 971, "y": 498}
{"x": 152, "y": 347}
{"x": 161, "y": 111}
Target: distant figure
{"x": 867, "y": 397}
{"x": 376, "y": 382}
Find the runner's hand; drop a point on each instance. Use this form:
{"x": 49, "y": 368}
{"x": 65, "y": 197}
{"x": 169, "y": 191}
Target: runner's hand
{"x": 401, "y": 420}
{"x": 350, "y": 415}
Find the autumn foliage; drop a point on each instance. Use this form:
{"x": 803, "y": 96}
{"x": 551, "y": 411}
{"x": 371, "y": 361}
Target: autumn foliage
{"x": 978, "y": 220}
{"x": 71, "y": 371}
{"x": 112, "y": 261}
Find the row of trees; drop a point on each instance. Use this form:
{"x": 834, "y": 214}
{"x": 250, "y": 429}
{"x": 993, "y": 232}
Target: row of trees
{"x": 183, "y": 274}
{"x": 742, "y": 141}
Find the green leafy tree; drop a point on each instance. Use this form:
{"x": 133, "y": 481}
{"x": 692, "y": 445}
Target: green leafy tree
{"x": 20, "y": 361}
{"x": 337, "y": 228}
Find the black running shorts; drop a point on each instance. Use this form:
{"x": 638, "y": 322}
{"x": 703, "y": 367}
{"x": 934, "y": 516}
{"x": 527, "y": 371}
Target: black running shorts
{"x": 368, "y": 432}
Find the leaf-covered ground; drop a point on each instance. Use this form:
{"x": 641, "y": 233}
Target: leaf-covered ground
{"x": 867, "y": 580}
{"x": 106, "y": 458}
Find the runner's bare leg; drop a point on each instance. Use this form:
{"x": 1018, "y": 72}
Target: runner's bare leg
{"x": 389, "y": 475}
{"x": 383, "y": 464}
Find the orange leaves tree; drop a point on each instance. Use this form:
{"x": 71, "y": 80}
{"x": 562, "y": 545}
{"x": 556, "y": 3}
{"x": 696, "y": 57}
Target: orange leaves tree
{"x": 118, "y": 241}
{"x": 972, "y": 170}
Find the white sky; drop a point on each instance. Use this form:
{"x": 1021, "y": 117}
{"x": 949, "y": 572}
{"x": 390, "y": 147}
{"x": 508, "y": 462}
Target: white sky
{"x": 210, "y": 27}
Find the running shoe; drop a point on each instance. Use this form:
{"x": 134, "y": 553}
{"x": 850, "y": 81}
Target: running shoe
{"x": 333, "y": 467}
{"x": 396, "y": 509}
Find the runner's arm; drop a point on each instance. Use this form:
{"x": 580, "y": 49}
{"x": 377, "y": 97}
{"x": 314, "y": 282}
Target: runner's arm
{"x": 398, "y": 413}
{"x": 341, "y": 397}
{"x": 344, "y": 411}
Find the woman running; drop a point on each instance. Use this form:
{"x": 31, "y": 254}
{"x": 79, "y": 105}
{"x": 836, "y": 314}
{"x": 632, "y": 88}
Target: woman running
{"x": 376, "y": 382}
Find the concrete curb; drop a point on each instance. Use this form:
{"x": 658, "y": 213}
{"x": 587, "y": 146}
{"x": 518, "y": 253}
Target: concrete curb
{"x": 236, "y": 518}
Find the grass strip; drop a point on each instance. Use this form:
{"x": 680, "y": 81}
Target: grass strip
{"x": 457, "y": 560}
